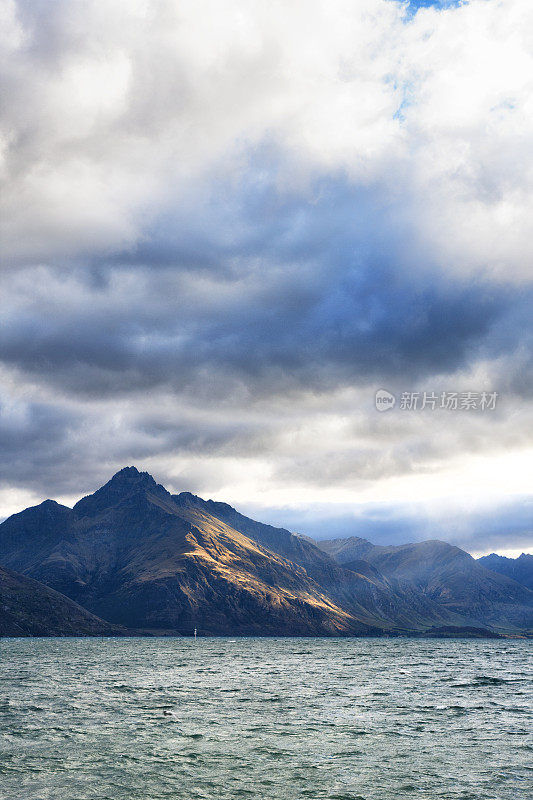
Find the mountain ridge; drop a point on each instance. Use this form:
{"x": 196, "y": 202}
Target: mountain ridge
{"x": 445, "y": 573}
{"x": 519, "y": 569}
{"x": 137, "y": 556}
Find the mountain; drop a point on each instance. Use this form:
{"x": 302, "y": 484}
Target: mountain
{"x": 136, "y": 556}
{"x": 131, "y": 555}
{"x": 367, "y": 594}
{"x": 28, "y": 608}
{"x": 447, "y": 575}
{"x": 519, "y": 569}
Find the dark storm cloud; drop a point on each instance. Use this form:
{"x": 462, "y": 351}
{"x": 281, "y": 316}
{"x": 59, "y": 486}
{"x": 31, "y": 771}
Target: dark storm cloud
{"x": 290, "y": 292}
{"x": 34, "y": 439}
{"x": 365, "y": 325}
{"x": 34, "y": 427}
{"x": 37, "y": 440}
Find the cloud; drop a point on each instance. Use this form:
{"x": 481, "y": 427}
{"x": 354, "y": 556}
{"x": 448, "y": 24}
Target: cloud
{"x": 224, "y": 226}
{"x": 134, "y": 104}
{"x": 314, "y": 297}
{"x": 505, "y": 525}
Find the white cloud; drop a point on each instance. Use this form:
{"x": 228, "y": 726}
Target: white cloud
{"x": 112, "y": 111}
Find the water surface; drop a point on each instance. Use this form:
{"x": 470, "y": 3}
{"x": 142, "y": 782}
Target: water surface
{"x": 273, "y": 719}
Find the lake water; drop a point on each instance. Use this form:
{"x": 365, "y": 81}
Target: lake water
{"x": 119, "y": 719}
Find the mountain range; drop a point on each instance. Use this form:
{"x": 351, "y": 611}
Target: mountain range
{"x": 519, "y": 569}
{"x": 131, "y": 558}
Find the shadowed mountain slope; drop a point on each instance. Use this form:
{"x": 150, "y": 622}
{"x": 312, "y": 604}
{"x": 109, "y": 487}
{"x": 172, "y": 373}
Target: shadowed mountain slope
{"x": 28, "y": 608}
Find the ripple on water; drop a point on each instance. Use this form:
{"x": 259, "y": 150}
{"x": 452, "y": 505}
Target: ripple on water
{"x": 273, "y": 719}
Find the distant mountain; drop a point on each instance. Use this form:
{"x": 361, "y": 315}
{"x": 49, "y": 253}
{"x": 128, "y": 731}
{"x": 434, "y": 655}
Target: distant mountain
{"x": 519, "y": 569}
{"x": 139, "y": 557}
{"x": 28, "y": 608}
{"x": 352, "y": 548}
{"x": 447, "y": 575}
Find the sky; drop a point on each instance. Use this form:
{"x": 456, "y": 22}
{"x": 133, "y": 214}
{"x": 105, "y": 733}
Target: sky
{"x": 226, "y": 226}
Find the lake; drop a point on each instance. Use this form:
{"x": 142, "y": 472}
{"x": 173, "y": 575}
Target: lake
{"x": 273, "y": 719}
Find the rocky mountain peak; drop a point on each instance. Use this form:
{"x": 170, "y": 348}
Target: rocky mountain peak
{"x": 124, "y": 483}
{"x": 130, "y": 476}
